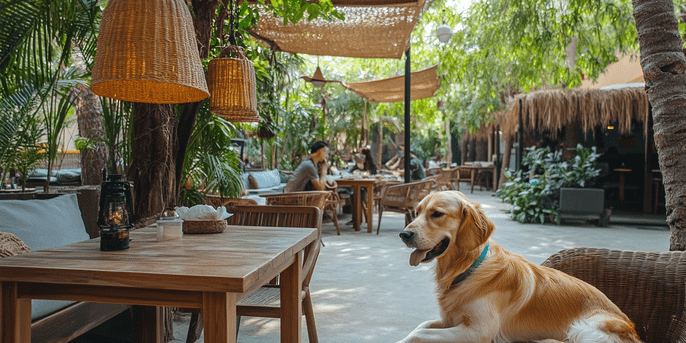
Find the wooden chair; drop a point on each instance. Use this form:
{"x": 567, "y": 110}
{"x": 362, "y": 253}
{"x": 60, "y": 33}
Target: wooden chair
{"x": 648, "y": 287}
{"x": 443, "y": 179}
{"x": 461, "y": 174}
{"x": 309, "y": 198}
{"x": 217, "y": 200}
{"x": 332, "y": 202}
{"x": 265, "y": 302}
{"x": 402, "y": 198}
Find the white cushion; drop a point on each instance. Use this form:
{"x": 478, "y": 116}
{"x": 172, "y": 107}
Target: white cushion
{"x": 44, "y": 224}
{"x": 266, "y": 178}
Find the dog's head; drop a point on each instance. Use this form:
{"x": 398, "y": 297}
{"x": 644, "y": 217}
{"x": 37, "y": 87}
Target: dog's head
{"x": 446, "y": 220}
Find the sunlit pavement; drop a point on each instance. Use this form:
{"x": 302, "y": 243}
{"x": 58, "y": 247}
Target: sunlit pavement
{"x": 364, "y": 289}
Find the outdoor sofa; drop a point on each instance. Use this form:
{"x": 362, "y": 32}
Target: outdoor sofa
{"x": 44, "y": 221}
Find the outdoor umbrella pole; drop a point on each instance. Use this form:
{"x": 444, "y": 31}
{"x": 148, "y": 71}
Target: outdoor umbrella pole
{"x": 408, "y": 84}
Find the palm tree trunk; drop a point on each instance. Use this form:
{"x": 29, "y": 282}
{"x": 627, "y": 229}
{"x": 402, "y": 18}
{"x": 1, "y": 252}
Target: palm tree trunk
{"x": 153, "y": 169}
{"x": 663, "y": 63}
{"x": 89, "y": 118}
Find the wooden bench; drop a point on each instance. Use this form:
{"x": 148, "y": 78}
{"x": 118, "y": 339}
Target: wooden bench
{"x": 68, "y": 321}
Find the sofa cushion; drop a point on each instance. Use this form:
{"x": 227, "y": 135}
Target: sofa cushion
{"x": 265, "y": 179}
{"x": 43, "y": 224}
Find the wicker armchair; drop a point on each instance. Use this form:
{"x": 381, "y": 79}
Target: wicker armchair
{"x": 647, "y": 286}
{"x": 402, "y": 198}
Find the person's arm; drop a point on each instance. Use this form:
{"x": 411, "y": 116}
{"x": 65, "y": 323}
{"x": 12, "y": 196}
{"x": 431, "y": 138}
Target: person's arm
{"x": 320, "y": 184}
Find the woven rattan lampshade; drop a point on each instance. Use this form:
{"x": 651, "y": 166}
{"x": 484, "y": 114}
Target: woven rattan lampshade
{"x": 232, "y": 84}
{"x": 147, "y": 52}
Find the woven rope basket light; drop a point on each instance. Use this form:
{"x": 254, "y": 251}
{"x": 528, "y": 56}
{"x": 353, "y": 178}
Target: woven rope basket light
{"x": 233, "y": 87}
{"x": 147, "y": 53}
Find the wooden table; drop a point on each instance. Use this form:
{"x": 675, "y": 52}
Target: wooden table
{"x": 622, "y": 180}
{"x": 475, "y": 169}
{"x": 207, "y": 271}
{"x": 357, "y": 184}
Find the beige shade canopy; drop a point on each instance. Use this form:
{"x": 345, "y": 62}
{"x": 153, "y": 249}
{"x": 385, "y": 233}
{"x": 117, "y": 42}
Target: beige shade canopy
{"x": 424, "y": 84}
{"x": 372, "y": 29}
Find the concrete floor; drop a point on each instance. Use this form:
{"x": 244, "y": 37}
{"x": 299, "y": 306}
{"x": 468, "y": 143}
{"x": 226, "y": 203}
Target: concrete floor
{"x": 364, "y": 289}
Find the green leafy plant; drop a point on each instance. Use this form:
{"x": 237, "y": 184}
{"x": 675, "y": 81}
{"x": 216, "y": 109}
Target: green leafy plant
{"x": 210, "y": 161}
{"x": 535, "y": 197}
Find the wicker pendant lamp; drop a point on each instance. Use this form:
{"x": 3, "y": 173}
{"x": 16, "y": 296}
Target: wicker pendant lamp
{"x": 233, "y": 87}
{"x": 147, "y": 53}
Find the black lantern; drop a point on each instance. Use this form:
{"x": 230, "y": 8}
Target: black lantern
{"x": 115, "y": 217}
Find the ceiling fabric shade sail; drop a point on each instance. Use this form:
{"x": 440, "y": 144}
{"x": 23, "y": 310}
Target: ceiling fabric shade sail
{"x": 424, "y": 84}
{"x": 147, "y": 52}
{"x": 372, "y": 29}
{"x": 233, "y": 86}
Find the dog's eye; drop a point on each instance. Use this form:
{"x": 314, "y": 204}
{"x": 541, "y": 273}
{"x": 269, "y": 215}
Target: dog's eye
{"x": 436, "y": 214}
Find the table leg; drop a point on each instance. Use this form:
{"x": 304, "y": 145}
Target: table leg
{"x": 149, "y": 330}
{"x": 219, "y": 314}
{"x": 621, "y": 187}
{"x": 495, "y": 181}
{"x": 357, "y": 208}
{"x": 291, "y": 304}
{"x": 473, "y": 175}
{"x": 370, "y": 207}
{"x": 15, "y": 316}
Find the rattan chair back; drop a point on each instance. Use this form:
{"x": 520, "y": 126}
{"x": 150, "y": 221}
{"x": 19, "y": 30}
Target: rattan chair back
{"x": 647, "y": 286}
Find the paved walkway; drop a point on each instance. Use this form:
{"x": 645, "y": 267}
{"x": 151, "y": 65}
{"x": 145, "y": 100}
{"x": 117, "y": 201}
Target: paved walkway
{"x": 364, "y": 289}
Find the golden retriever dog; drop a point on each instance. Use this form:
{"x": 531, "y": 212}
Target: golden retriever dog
{"x": 487, "y": 294}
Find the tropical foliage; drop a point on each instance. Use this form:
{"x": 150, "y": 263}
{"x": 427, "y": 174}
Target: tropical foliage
{"x": 535, "y": 197}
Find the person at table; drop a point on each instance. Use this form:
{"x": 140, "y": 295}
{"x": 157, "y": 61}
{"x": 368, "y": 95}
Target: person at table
{"x": 396, "y": 161}
{"x": 364, "y": 162}
{"x": 311, "y": 173}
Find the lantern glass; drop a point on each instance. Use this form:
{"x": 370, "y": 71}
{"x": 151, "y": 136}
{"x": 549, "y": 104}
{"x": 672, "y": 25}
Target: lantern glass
{"x": 117, "y": 213}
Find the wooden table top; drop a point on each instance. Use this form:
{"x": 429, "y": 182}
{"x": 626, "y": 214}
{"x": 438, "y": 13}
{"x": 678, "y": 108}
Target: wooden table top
{"x": 232, "y": 261}
{"x": 353, "y": 181}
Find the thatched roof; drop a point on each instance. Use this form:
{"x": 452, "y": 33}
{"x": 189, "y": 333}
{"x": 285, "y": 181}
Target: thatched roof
{"x": 372, "y": 29}
{"x": 486, "y": 128}
{"x": 555, "y": 108}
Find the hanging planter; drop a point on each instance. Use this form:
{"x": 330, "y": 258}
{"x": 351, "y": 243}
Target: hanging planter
{"x": 232, "y": 86}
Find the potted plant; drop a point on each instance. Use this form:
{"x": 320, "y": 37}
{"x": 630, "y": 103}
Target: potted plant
{"x": 578, "y": 195}
{"x": 552, "y": 188}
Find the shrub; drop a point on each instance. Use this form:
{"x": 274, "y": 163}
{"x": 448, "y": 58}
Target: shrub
{"x": 535, "y": 197}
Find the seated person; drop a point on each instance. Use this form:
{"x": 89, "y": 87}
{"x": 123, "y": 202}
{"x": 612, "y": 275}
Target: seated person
{"x": 310, "y": 175}
{"x": 364, "y": 162}
{"x": 416, "y": 168}
{"x": 433, "y": 162}
{"x": 396, "y": 161}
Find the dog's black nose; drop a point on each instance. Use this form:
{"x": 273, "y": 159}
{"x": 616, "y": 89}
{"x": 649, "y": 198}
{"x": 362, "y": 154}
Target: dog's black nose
{"x": 406, "y": 236}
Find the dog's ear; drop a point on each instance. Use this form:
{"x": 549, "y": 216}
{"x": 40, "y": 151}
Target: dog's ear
{"x": 475, "y": 228}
